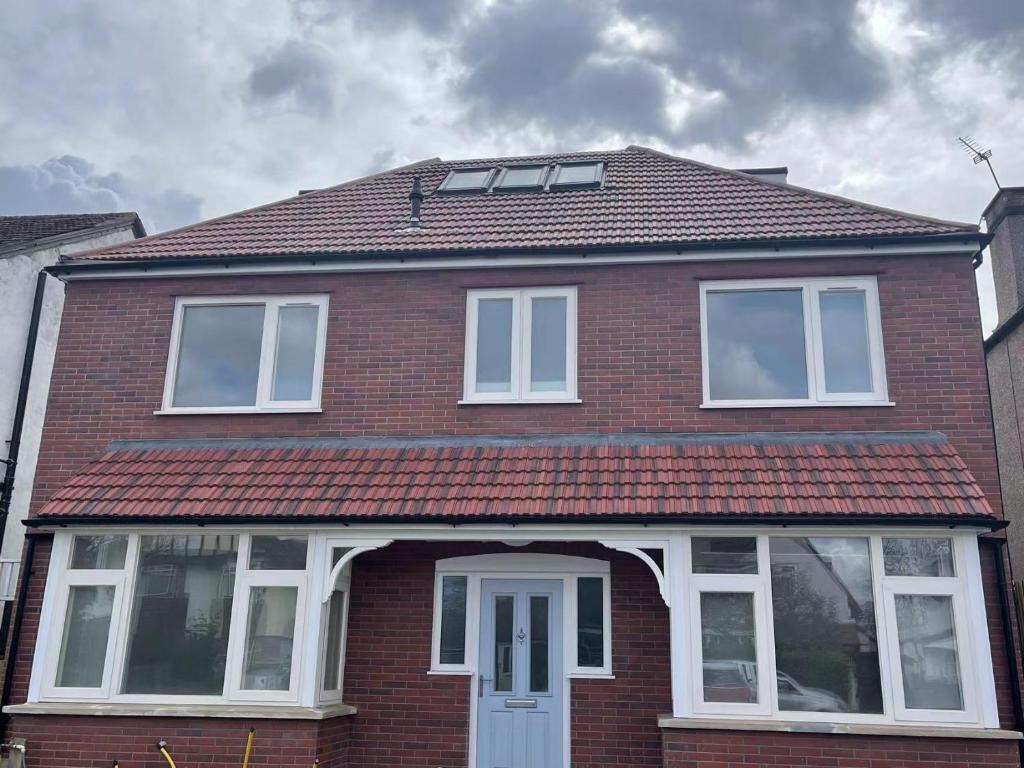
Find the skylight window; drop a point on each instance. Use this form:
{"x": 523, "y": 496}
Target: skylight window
{"x": 468, "y": 180}
{"x": 575, "y": 175}
{"x": 522, "y": 177}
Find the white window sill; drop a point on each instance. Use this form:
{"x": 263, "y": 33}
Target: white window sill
{"x": 865, "y": 729}
{"x": 231, "y": 411}
{"x": 256, "y": 711}
{"x": 536, "y": 401}
{"x": 801, "y": 404}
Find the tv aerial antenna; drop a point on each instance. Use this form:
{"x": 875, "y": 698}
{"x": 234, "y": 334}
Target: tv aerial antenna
{"x": 978, "y": 154}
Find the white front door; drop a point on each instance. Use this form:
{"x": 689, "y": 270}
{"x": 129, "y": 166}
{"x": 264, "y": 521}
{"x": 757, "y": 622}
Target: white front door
{"x": 521, "y": 686}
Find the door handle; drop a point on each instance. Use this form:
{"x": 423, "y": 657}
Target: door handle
{"x": 480, "y": 685}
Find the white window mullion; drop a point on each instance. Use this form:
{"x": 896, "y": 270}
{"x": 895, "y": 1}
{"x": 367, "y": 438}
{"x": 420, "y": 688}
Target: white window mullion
{"x": 267, "y": 354}
{"x": 520, "y": 341}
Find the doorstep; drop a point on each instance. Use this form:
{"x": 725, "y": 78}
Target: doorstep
{"x": 263, "y": 712}
{"x": 859, "y": 729}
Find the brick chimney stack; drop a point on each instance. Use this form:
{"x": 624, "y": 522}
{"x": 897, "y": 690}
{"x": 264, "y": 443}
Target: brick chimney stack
{"x": 1004, "y": 219}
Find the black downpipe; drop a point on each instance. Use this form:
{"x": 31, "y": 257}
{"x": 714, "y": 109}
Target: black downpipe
{"x": 11, "y": 462}
{"x": 1008, "y": 638}
{"x": 19, "y": 615}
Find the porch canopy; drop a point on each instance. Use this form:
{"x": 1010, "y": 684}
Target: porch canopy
{"x": 808, "y": 477}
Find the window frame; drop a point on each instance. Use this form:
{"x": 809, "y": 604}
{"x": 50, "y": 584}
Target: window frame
{"x": 811, "y": 289}
{"x": 545, "y": 173}
{"x": 745, "y": 583}
{"x": 268, "y": 353}
{"x": 522, "y": 312}
{"x": 61, "y": 577}
{"x": 971, "y": 639}
{"x": 554, "y": 182}
{"x": 445, "y": 188}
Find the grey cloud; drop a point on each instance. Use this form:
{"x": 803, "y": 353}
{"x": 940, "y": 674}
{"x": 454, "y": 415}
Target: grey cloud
{"x": 551, "y": 62}
{"x": 996, "y": 26}
{"x": 544, "y": 62}
{"x": 296, "y": 75}
{"x": 70, "y": 184}
{"x": 763, "y": 58}
{"x": 432, "y": 16}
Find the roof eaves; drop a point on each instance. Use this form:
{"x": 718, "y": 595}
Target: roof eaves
{"x": 77, "y": 265}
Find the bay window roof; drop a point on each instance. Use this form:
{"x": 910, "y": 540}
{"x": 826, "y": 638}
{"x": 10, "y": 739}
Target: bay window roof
{"x": 801, "y": 476}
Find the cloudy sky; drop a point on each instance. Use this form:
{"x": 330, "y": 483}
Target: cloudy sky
{"x": 187, "y": 109}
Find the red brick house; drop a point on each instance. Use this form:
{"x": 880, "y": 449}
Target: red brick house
{"x": 596, "y": 459}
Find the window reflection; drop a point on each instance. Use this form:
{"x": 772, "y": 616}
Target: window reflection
{"x": 928, "y": 652}
{"x": 729, "y": 647}
{"x": 826, "y": 642}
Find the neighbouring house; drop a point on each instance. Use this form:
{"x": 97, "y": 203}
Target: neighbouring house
{"x": 27, "y": 245}
{"x": 1004, "y": 352}
{"x": 595, "y": 459}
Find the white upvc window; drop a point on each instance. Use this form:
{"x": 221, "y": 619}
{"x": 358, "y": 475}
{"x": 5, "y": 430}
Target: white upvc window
{"x": 175, "y": 618}
{"x": 520, "y": 345}
{"x": 792, "y": 342}
{"x": 846, "y": 627}
{"x": 244, "y": 354}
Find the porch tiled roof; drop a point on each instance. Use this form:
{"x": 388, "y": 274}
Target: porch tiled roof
{"x": 841, "y": 475}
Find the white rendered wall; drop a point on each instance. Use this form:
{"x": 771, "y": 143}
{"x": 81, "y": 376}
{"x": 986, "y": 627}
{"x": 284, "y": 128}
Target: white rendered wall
{"x": 17, "y": 290}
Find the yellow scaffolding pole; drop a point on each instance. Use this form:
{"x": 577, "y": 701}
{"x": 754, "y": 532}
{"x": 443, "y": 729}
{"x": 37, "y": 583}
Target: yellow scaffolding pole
{"x": 248, "y": 748}
{"x": 162, "y": 748}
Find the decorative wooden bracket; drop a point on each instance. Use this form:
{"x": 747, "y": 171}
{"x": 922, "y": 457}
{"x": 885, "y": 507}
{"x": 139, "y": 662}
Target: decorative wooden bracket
{"x": 359, "y": 546}
{"x": 637, "y": 549}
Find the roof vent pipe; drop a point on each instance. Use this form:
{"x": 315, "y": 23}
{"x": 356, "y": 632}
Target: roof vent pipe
{"x": 415, "y": 201}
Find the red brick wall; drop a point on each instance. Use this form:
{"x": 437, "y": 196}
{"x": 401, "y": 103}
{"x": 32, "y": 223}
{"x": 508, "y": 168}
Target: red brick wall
{"x": 395, "y": 356}
{"x": 742, "y": 749}
{"x": 408, "y": 719}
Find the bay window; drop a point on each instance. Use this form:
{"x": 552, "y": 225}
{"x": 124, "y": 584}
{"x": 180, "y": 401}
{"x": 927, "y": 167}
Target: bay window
{"x": 811, "y": 341}
{"x": 520, "y": 345}
{"x": 247, "y": 353}
{"x": 177, "y": 617}
{"x": 842, "y": 628}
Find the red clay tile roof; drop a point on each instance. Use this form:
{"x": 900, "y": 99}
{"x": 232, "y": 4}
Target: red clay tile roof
{"x": 906, "y": 475}
{"x": 648, "y": 199}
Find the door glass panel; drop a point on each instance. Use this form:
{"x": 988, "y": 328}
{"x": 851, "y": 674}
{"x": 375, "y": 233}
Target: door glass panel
{"x": 547, "y": 344}
{"x": 269, "y": 639}
{"x": 590, "y": 621}
{"x": 756, "y": 345}
{"x": 504, "y": 618}
{"x": 729, "y": 648}
{"x": 86, "y": 628}
{"x": 539, "y": 642}
{"x": 296, "y": 353}
{"x": 724, "y": 554}
{"x": 99, "y": 552}
{"x": 844, "y": 341}
{"x": 918, "y": 557}
{"x": 928, "y": 652}
{"x": 494, "y": 345}
{"x": 826, "y": 641}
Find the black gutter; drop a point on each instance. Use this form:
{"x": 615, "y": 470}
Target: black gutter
{"x": 11, "y": 462}
{"x": 228, "y": 260}
{"x": 470, "y": 520}
{"x": 1008, "y": 638}
{"x": 19, "y": 616}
